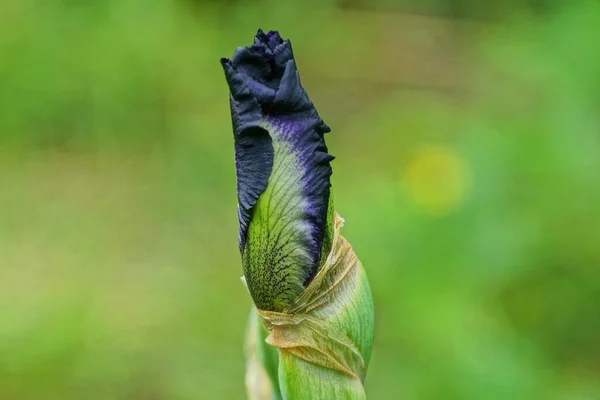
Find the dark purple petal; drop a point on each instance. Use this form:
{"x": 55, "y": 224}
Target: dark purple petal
{"x": 271, "y": 110}
{"x": 253, "y": 147}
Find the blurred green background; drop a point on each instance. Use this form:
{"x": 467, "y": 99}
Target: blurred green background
{"x": 468, "y": 171}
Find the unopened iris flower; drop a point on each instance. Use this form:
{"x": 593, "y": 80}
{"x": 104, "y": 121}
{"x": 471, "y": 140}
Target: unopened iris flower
{"x": 311, "y": 330}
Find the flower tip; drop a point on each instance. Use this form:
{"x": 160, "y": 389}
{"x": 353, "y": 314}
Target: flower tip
{"x": 271, "y": 39}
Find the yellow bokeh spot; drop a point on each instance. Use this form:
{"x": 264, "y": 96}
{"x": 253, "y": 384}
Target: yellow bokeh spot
{"x": 436, "y": 180}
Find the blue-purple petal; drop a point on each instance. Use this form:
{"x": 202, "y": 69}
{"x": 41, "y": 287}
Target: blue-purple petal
{"x": 253, "y": 147}
{"x": 271, "y": 109}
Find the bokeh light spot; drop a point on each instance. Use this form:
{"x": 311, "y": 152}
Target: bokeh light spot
{"x": 436, "y": 179}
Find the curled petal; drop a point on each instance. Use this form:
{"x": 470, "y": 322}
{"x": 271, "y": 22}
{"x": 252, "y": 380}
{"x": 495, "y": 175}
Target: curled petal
{"x": 283, "y": 172}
